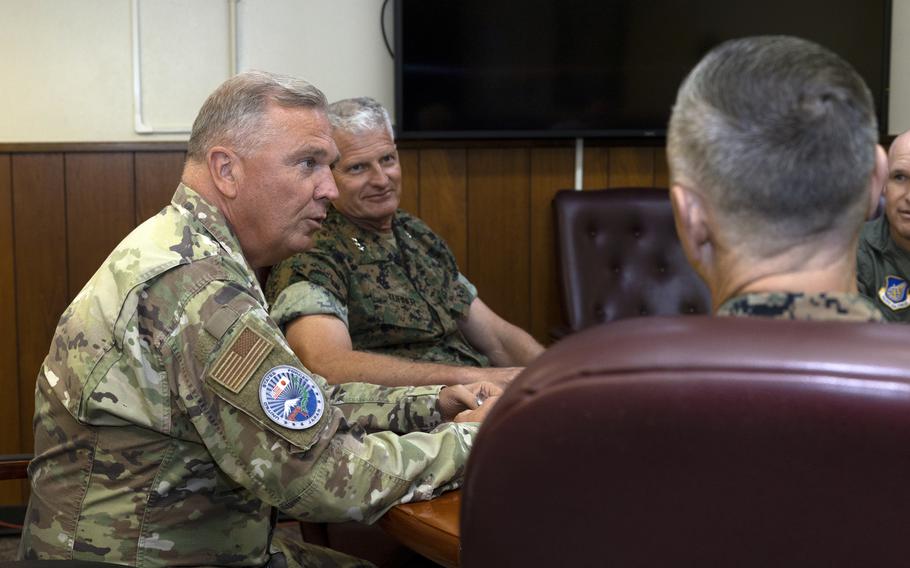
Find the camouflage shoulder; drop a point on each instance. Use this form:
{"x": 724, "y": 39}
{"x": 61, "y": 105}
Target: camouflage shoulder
{"x": 773, "y": 304}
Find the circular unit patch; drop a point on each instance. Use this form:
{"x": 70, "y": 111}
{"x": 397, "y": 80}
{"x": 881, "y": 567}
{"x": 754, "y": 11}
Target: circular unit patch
{"x": 291, "y": 398}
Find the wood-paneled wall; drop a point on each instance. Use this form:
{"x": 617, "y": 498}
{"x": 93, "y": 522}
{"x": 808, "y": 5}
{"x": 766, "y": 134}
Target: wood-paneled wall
{"x": 63, "y": 207}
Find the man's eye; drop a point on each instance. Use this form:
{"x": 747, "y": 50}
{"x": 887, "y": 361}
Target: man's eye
{"x": 308, "y": 163}
{"x": 899, "y": 177}
{"x": 356, "y": 168}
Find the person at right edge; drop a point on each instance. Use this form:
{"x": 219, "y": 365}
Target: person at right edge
{"x": 775, "y": 165}
{"x": 883, "y": 259}
{"x": 172, "y": 419}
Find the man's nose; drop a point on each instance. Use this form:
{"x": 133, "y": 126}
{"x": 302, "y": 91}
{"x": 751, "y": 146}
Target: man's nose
{"x": 326, "y": 188}
{"x": 378, "y": 176}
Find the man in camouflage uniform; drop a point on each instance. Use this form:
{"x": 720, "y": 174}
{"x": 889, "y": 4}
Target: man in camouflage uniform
{"x": 171, "y": 417}
{"x": 775, "y": 165}
{"x": 380, "y": 298}
{"x": 883, "y": 260}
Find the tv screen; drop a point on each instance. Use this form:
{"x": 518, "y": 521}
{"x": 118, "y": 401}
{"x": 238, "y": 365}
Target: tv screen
{"x": 594, "y": 68}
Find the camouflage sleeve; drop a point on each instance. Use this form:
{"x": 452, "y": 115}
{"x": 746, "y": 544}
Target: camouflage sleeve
{"x": 397, "y": 409}
{"x": 309, "y": 283}
{"x": 306, "y": 299}
{"x": 265, "y": 421}
{"x": 471, "y": 289}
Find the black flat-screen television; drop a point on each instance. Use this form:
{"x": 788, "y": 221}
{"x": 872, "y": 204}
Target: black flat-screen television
{"x": 595, "y": 68}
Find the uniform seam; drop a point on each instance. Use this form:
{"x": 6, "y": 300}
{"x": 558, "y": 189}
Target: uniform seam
{"x": 140, "y": 549}
{"x": 191, "y": 293}
{"x": 80, "y": 512}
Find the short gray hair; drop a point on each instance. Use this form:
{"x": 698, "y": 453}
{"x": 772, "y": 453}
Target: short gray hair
{"x": 233, "y": 112}
{"x": 361, "y": 114}
{"x": 780, "y": 134}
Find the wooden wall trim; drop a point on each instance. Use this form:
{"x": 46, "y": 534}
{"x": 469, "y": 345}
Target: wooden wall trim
{"x": 404, "y": 144}
{"x": 70, "y": 147}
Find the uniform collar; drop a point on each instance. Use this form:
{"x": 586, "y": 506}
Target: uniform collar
{"x": 205, "y": 216}
{"x": 369, "y": 246}
{"x": 827, "y": 306}
{"x": 878, "y": 234}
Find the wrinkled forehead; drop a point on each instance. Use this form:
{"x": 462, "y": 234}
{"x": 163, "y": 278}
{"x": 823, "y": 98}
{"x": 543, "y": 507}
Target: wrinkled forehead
{"x": 364, "y": 144}
{"x": 900, "y": 150}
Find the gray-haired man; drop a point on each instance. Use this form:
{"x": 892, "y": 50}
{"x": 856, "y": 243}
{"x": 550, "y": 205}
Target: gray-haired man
{"x": 379, "y": 298}
{"x": 172, "y": 418}
{"x": 775, "y": 165}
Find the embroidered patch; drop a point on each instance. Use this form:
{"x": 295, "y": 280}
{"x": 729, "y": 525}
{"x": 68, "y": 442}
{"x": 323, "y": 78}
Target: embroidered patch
{"x": 291, "y": 398}
{"x": 235, "y": 367}
{"x": 894, "y": 293}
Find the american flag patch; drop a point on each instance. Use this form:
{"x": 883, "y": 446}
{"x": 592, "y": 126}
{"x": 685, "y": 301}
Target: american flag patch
{"x": 235, "y": 367}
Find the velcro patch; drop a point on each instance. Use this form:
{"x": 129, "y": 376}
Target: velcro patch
{"x": 235, "y": 366}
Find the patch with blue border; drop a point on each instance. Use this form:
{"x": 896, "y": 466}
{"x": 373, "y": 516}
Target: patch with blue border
{"x": 291, "y": 398}
{"x": 894, "y": 293}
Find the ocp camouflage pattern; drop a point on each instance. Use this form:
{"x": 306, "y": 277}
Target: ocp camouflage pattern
{"x": 142, "y": 458}
{"x": 824, "y": 306}
{"x": 400, "y": 293}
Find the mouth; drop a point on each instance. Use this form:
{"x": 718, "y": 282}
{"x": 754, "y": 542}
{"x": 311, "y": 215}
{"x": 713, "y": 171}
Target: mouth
{"x": 381, "y": 195}
{"x": 316, "y": 221}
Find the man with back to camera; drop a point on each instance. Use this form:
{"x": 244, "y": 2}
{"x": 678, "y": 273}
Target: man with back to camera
{"x": 379, "y": 297}
{"x": 775, "y": 166}
{"x": 172, "y": 418}
{"x": 883, "y": 260}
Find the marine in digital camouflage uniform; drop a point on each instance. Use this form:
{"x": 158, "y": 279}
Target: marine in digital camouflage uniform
{"x": 379, "y": 298}
{"x": 172, "y": 418}
{"x": 399, "y": 294}
{"x": 831, "y": 306}
{"x": 773, "y": 174}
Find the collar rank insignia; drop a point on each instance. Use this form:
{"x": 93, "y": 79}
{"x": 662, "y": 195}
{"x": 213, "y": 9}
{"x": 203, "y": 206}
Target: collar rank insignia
{"x": 291, "y": 398}
{"x": 894, "y": 293}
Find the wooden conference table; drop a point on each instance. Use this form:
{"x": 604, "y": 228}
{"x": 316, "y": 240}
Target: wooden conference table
{"x": 428, "y": 527}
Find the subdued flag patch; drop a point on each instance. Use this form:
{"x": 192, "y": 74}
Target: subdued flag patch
{"x": 236, "y": 365}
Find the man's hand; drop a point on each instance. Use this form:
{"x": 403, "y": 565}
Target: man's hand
{"x": 478, "y": 414}
{"x": 456, "y": 399}
{"x": 500, "y": 376}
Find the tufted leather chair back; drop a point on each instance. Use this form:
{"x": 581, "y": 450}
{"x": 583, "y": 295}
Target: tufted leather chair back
{"x": 619, "y": 257}
{"x": 698, "y": 441}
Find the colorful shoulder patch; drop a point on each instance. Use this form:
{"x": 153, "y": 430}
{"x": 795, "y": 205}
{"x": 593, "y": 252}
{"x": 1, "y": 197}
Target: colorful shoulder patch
{"x": 291, "y": 398}
{"x": 894, "y": 293}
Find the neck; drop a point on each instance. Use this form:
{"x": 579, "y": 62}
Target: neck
{"x": 799, "y": 270}
{"x": 383, "y": 225}
{"x": 902, "y": 242}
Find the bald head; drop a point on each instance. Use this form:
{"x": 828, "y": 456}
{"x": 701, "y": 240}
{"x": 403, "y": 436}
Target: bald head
{"x": 900, "y": 146}
{"x": 897, "y": 191}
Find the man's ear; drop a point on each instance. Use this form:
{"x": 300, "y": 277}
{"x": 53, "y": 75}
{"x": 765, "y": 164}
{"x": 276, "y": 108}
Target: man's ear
{"x": 878, "y": 182}
{"x": 224, "y": 167}
{"x": 692, "y": 227}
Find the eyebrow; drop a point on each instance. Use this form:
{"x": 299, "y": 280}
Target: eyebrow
{"x": 308, "y": 151}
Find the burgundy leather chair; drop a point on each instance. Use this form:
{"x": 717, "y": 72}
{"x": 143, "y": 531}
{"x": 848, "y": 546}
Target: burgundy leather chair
{"x": 619, "y": 257}
{"x": 698, "y": 441}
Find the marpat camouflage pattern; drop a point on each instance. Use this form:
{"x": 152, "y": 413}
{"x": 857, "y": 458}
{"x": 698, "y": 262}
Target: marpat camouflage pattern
{"x": 400, "y": 294}
{"x": 825, "y": 306}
